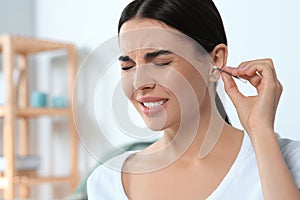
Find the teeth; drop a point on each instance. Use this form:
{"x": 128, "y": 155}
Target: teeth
{"x": 154, "y": 104}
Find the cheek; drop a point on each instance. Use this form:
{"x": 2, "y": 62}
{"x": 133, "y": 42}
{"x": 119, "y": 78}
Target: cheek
{"x": 134, "y": 103}
{"x": 198, "y": 83}
{"x": 182, "y": 90}
{"x": 196, "y": 78}
{"x": 127, "y": 84}
{"x": 189, "y": 76}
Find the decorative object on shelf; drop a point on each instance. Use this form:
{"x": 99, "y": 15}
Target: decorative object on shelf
{"x": 23, "y": 163}
{"x": 59, "y": 102}
{"x": 39, "y": 99}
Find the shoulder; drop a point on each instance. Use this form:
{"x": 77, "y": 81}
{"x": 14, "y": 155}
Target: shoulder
{"x": 100, "y": 181}
{"x": 99, "y": 175}
{"x": 105, "y": 182}
{"x": 290, "y": 150}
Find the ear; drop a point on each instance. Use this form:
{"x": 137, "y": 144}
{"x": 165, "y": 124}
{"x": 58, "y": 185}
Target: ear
{"x": 219, "y": 57}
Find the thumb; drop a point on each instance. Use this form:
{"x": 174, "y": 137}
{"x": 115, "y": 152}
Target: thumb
{"x": 231, "y": 89}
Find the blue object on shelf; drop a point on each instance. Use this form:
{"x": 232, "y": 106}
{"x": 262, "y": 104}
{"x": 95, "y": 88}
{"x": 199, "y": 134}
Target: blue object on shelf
{"x": 59, "y": 102}
{"x": 38, "y": 99}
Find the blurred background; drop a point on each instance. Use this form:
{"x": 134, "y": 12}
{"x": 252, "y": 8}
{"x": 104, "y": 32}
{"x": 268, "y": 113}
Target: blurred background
{"x": 255, "y": 29}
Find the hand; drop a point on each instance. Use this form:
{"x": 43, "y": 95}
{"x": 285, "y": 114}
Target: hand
{"x": 256, "y": 113}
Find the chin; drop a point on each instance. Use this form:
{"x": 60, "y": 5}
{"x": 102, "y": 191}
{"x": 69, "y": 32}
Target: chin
{"x": 154, "y": 128}
{"x": 155, "y": 124}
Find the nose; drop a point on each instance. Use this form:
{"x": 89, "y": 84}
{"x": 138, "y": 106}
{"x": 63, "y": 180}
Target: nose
{"x": 143, "y": 78}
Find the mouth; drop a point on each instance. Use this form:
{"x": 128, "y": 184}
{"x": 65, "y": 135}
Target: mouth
{"x": 152, "y": 105}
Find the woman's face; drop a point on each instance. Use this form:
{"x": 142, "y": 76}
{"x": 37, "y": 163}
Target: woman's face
{"x": 163, "y": 87}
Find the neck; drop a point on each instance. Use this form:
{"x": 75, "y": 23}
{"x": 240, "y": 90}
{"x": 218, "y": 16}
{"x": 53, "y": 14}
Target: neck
{"x": 193, "y": 134}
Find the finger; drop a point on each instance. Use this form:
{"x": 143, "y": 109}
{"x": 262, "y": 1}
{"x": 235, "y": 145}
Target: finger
{"x": 232, "y": 89}
{"x": 250, "y": 76}
{"x": 254, "y": 80}
{"x": 267, "y": 85}
{"x": 254, "y": 69}
{"x": 267, "y": 61}
{"x": 264, "y": 67}
{"x": 229, "y": 69}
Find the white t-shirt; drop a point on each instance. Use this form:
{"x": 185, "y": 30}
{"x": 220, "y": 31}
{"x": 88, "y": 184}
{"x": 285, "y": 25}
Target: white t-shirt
{"x": 241, "y": 182}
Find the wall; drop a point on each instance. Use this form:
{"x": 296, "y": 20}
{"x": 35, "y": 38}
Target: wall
{"x": 17, "y": 17}
{"x": 87, "y": 23}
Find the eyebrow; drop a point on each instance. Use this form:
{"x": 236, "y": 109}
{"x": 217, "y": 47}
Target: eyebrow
{"x": 154, "y": 54}
{"x": 147, "y": 56}
{"x": 125, "y": 58}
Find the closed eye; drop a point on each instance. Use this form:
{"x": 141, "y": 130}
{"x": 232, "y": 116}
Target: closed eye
{"x": 127, "y": 68}
{"x": 161, "y": 64}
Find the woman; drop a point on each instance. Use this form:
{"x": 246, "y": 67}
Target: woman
{"x": 233, "y": 164}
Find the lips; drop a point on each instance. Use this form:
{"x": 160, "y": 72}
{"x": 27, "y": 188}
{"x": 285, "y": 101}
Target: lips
{"x": 152, "y": 105}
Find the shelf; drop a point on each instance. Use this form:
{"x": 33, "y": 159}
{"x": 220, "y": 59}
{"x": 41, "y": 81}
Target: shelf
{"x": 35, "y": 180}
{"x": 38, "y": 112}
{"x": 41, "y": 179}
{"x": 16, "y": 113}
{"x": 27, "y": 45}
